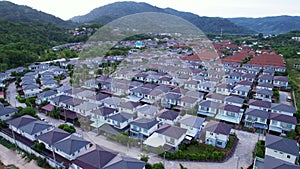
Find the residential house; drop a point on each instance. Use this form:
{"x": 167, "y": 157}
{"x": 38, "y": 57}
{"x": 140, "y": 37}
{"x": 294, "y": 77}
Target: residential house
{"x": 70, "y": 104}
{"x": 264, "y": 94}
{"x": 283, "y": 109}
{"x": 143, "y": 127}
{"x": 51, "y": 137}
{"x": 281, "y": 81}
{"x": 100, "y": 115}
{"x": 230, "y": 113}
{"x": 95, "y": 158}
{"x": 125, "y": 162}
{"x": 98, "y": 98}
{"x": 255, "y": 118}
{"x": 187, "y": 102}
{"x": 224, "y": 89}
{"x": 248, "y": 77}
{"x": 166, "y": 136}
{"x": 112, "y": 102}
{"x": 234, "y": 100}
{"x": 58, "y": 99}
{"x": 129, "y": 107}
{"x": 208, "y": 108}
{"x": 282, "y": 148}
{"x": 217, "y": 133}
{"x": 71, "y": 146}
{"x": 215, "y": 97}
{"x": 242, "y": 91}
{"x": 120, "y": 120}
{"x": 170, "y": 99}
{"x": 265, "y": 78}
{"x": 86, "y": 108}
{"x": 206, "y": 87}
{"x": 7, "y": 112}
{"x": 260, "y": 104}
{"x": 147, "y": 111}
{"x": 45, "y": 96}
{"x": 267, "y": 86}
{"x": 168, "y": 117}
{"x": 275, "y": 163}
{"x": 31, "y": 90}
{"x": 193, "y": 124}
{"x": 282, "y": 123}
{"x": 17, "y": 123}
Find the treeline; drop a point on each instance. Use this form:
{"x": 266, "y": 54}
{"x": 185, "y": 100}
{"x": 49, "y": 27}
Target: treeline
{"x": 25, "y": 43}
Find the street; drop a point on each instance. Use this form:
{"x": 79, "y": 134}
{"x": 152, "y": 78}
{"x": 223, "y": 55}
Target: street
{"x": 283, "y": 98}
{"x": 11, "y": 94}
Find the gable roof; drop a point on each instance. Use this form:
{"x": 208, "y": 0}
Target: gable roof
{"x": 148, "y": 109}
{"x": 7, "y": 110}
{"x": 53, "y": 136}
{"x": 283, "y": 118}
{"x": 283, "y": 107}
{"x": 219, "y": 128}
{"x": 208, "y": 103}
{"x": 260, "y": 103}
{"x": 95, "y": 158}
{"x": 275, "y": 163}
{"x": 121, "y": 117}
{"x": 282, "y": 144}
{"x": 234, "y": 99}
{"x": 104, "y": 111}
{"x": 71, "y": 144}
{"x": 22, "y": 121}
{"x": 193, "y": 121}
{"x": 257, "y": 113}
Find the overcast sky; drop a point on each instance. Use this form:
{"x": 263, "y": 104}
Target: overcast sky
{"x": 66, "y": 9}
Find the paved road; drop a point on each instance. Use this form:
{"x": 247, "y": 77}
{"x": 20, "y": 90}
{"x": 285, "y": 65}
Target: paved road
{"x": 11, "y": 94}
{"x": 283, "y": 97}
{"x": 11, "y": 157}
{"x": 242, "y": 156}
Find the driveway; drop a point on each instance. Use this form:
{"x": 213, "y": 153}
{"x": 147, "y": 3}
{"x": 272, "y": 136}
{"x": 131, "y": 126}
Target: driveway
{"x": 283, "y": 97}
{"x": 11, "y": 93}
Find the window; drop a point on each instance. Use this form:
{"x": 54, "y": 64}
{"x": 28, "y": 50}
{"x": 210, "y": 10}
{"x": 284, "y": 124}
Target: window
{"x": 219, "y": 143}
{"x": 274, "y": 122}
{"x": 211, "y": 134}
{"x": 288, "y": 156}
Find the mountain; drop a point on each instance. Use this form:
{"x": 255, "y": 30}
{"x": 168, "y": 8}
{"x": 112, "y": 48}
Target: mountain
{"x": 269, "y": 25}
{"x": 20, "y": 13}
{"x": 108, "y": 13}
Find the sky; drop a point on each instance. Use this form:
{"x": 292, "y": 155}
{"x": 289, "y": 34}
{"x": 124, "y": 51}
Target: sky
{"x": 67, "y": 9}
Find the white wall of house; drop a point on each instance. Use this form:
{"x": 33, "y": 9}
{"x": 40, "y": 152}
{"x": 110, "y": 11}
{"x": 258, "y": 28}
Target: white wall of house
{"x": 7, "y": 116}
{"x": 214, "y": 137}
{"x": 281, "y": 155}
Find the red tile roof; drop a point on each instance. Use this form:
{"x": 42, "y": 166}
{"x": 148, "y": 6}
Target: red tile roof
{"x": 268, "y": 60}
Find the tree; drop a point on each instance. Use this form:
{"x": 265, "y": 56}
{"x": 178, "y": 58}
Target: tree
{"x": 55, "y": 113}
{"x": 39, "y": 147}
{"x": 144, "y": 158}
{"x": 67, "y": 128}
{"x": 27, "y": 111}
{"x": 158, "y": 166}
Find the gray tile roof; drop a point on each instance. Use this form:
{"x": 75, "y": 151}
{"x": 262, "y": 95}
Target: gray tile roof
{"x": 95, "y": 158}
{"x": 35, "y": 127}
{"x": 148, "y": 109}
{"x": 193, "y": 121}
{"x": 283, "y": 118}
{"x": 281, "y": 78}
{"x": 121, "y": 117}
{"x": 104, "y": 111}
{"x": 144, "y": 123}
{"x": 46, "y": 94}
{"x": 216, "y": 96}
{"x": 264, "y": 92}
{"x": 260, "y": 103}
{"x": 53, "y": 136}
{"x": 231, "y": 108}
{"x": 169, "y": 115}
{"x": 283, "y": 107}
{"x": 171, "y": 131}
{"x": 274, "y": 163}
{"x": 7, "y": 110}
{"x": 234, "y": 99}
{"x": 282, "y": 144}
{"x": 208, "y": 103}
{"x": 22, "y": 121}
{"x": 71, "y": 144}
{"x": 219, "y": 128}
{"x": 123, "y": 162}
{"x": 257, "y": 113}
{"x": 268, "y": 85}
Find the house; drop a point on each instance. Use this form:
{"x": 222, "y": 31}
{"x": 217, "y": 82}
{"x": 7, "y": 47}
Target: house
{"x": 167, "y": 136}
{"x": 94, "y": 158}
{"x": 58, "y": 99}
{"x": 282, "y": 123}
{"x": 248, "y": 77}
{"x": 193, "y": 124}
{"x": 208, "y": 108}
{"x": 168, "y": 117}
{"x": 71, "y": 146}
{"x": 264, "y": 94}
{"x": 224, "y": 89}
{"x": 282, "y": 148}
{"x": 120, "y": 120}
{"x": 187, "y": 102}
{"x": 45, "y": 96}
{"x": 170, "y": 99}
{"x": 31, "y": 90}
{"x": 255, "y": 118}
{"x": 143, "y": 127}
{"x": 283, "y": 109}
{"x": 206, "y": 87}
{"x": 281, "y": 81}
{"x": 7, "y": 112}
{"x": 234, "y": 100}
{"x": 17, "y": 123}
{"x": 124, "y": 162}
{"x": 267, "y": 86}
{"x": 259, "y": 104}
{"x": 70, "y": 104}
{"x": 98, "y": 98}
{"x": 217, "y": 133}
{"x": 276, "y": 163}
{"x": 51, "y": 137}
{"x": 112, "y": 102}
{"x": 230, "y": 113}
{"x": 85, "y": 108}
{"x": 242, "y": 91}
{"x": 235, "y": 76}
{"x": 147, "y": 111}
{"x": 215, "y": 97}
{"x": 265, "y": 78}
{"x": 100, "y": 115}
{"x": 129, "y": 107}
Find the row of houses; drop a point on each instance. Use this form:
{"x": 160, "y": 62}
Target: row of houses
{"x": 67, "y": 150}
